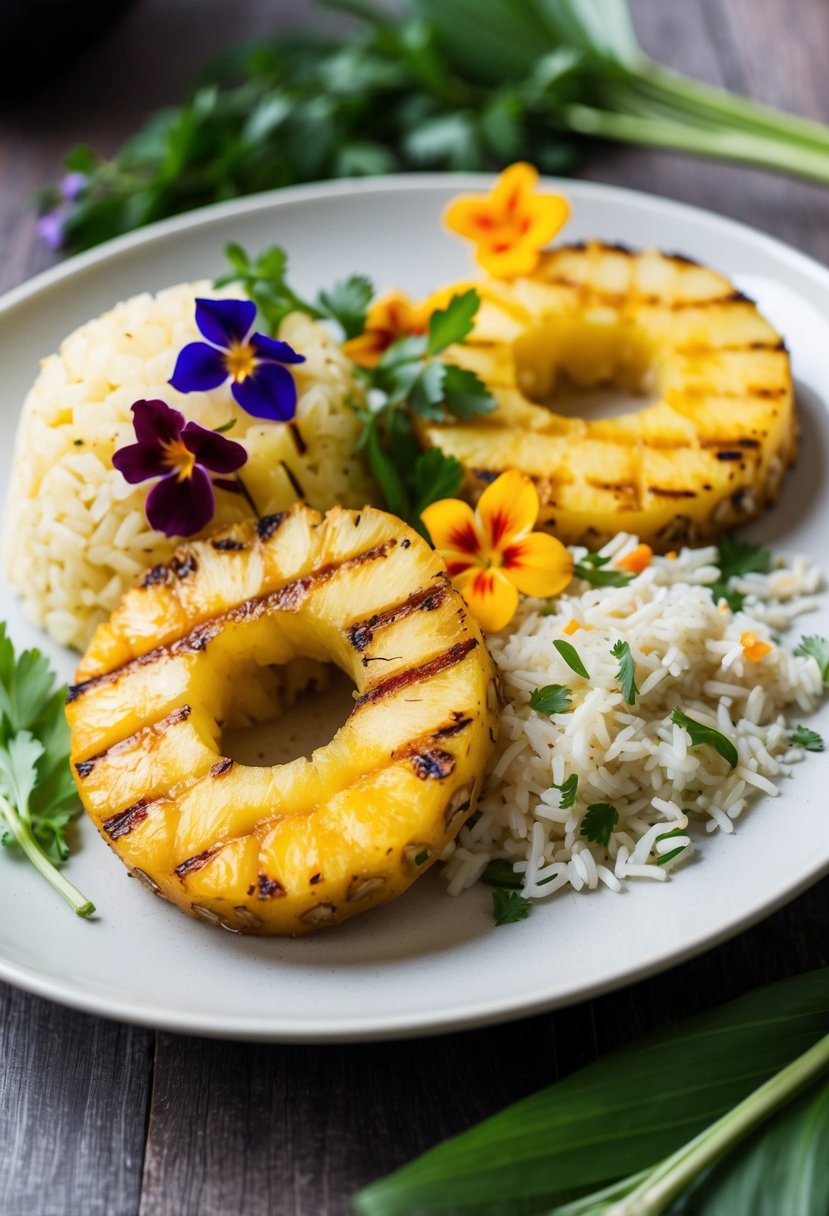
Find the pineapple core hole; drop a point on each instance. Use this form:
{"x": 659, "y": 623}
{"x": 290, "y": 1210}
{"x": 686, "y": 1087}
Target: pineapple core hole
{"x": 284, "y": 712}
{"x": 591, "y": 366}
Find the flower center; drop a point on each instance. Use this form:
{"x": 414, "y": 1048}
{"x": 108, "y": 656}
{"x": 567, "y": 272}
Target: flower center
{"x": 179, "y": 459}
{"x": 240, "y": 360}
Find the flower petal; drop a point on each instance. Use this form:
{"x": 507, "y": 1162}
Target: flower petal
{"x": 276, "y": 351}
{"x": 514, "y": 187}
{"x": 471, "y": 216}
{"x": 507, "y": 509}
{"x": 199, "y": 368}
{"x": 181, "y": 507}
{"x": 139, "y": 461}
{"x": 538, "y": 564}
{"x": 508, "y": 260}
{"x": 156, "y": 422}
{"x": 491, "y": 597}
{"x": 224, "y": 322}
{"x": 366, "y": 349}
{"x": 451, "y": 525}
{"x": 213, "y": 451}
{"x": 269, "y": 393}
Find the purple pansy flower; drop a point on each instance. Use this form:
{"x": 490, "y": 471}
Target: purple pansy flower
{"x": 182, "y": 454}
{"x": 252, "y": 361}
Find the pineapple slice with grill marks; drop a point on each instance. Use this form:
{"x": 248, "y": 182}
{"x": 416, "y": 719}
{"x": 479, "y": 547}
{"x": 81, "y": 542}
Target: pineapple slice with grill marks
{"x": 708, "y": 454}
{"x": 214, "y": 637}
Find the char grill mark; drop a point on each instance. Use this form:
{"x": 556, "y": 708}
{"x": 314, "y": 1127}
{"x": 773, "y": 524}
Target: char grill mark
{"x": 413, "y": 675}
{"x": 269, "y": 888}
{"x": 427, "y": 599}
{"x": 268, "y": 524}
{"x": 434, "y": 764}
{"x": 123, "y": 823}
{"x": 284, "y": 599}
{"x": 197, "y": 862}
{"x": 221, "y": 767}
{"x": 227, "y": 544}
{"x": 85, "y": 767}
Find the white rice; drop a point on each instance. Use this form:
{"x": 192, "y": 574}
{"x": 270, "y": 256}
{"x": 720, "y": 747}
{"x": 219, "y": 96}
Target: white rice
{"x": 687, "y": 656}
{"x": 76, "y": 535}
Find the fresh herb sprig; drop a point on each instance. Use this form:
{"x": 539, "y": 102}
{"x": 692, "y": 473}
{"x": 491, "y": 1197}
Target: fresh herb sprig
{"x": 410, "y": 380}
{"x": 593, "y": 569}
{"x": 808, "y": 739}
{"x": 701, "y": 734}
{"x": 568, "y": 790}
{"x": 571, "y": 657}
{"x": 627, "y": 670}
{"x": 509, "y": 906}
{"x": 37, "y": 795}
{"x": 552, "y": 699}
{"x": 444, "y": 85}
{"x": 735, "y": 558}
{"x": 817, "y": 648}
{"x": 600, "y": 819}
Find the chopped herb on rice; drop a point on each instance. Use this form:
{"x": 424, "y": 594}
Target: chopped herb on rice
{"x": 628, "y": 751}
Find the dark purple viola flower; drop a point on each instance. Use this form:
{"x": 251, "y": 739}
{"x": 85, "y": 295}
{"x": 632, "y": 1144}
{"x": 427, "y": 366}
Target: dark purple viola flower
{"x": 253, "y": 362}
{"x": 183, "y": 455}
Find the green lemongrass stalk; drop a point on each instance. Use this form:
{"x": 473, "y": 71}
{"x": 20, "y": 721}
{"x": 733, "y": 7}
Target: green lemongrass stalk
{"x": 649, "y": 1192}
{"x": 24, "y": 837}
{"x": 742, "y": 147}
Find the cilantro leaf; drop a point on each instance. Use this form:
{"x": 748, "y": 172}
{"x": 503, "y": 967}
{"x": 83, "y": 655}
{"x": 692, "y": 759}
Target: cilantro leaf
{"x": 627, "y": 670}
{"x": 425, "y": 393}
{"x": 600, "y": 819}
{"x": 817, "y": 648}
{"x": 567, "y": 789}
{"x": 571, "y": 657}
{"x": 700, "y": 733}
{"x": 738, "y": 557}
{"x": 453, "y": 323}
{"x": 434, "y": 476}
{"x": 37, "y": 795}
{"x": 465, "y": 394}
{"x": 552, "y": 699}
{"x": 592, "y": 569}
{"x": 809, "y": 740}
{"x": 721, "y": 591}
{"x": 509, "y": 906}
{"x": 501, "y": 873}
{"x": 663, "y": 858}
{"x": 264, "y": 281}
{"x": 347, "y": 303}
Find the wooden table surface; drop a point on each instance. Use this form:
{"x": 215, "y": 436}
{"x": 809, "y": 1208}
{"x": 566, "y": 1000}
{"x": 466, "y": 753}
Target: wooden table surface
{"x": 102, "y": 1119}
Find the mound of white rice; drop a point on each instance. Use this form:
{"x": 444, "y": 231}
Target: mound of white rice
{"x": 76, "y": 535}
{"x": 688, "y": 656}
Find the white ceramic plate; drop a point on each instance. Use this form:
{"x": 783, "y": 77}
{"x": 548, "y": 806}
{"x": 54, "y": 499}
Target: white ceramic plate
{"x": 427, "y": 962}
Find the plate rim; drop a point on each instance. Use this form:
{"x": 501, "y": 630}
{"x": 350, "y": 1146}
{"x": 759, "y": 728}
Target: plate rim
{"x": 375, "y": 1028}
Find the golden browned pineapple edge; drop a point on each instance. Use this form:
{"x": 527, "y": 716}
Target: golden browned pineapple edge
{"x": 707, "y": 452}
{"x": 208, "y": 642}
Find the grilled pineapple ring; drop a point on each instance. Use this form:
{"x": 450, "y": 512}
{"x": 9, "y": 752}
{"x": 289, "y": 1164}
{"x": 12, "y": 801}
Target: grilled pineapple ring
{"x": 203, "y": 640}
{"x": 708, "y": 454}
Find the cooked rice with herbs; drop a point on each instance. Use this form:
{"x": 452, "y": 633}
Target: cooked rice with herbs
{"x": 611, "y": 790}
{"x": 76, "y": 536}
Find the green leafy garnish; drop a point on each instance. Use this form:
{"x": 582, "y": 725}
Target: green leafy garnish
{"x": 37, "y": 795}
{"x": 809, "y": 740}
{"x": 592, "y": 569}
{"x": 699, "y": 734}
{"x": 600, "y": 819}
{"x": 817, "y": 648}
{"x": 501, "y": 873}
{"x": 347, "y": 303}
{"x": 571, "y": 657}
{"x": 552, "y": 699}
{"x": 509, "y": 906}
{"x": 264, "y": 281}
{"x": 627, "y": 670}
{"x": 663, "y": 858}
{"x": 453, "y": 323}
{"x": 735, "y": 558}
{"x": 567, "y": 789}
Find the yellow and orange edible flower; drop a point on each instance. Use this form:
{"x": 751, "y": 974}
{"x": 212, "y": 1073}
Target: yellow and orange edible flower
{"x": 511, "y": 225}
{"x": 492, "y": 553}
{"x": 754, "y": 650}
{"x": 390, "y": 317}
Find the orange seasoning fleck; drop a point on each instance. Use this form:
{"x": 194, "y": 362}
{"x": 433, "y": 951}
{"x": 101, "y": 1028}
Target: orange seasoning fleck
{"x": 572, "y": 627}
{"x": 672, "y": 555}
{"x": 754, "y": 650}
{"x": 637, "y": 560}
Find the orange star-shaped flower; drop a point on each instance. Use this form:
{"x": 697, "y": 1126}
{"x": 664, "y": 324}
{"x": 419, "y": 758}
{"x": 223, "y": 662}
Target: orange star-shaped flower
{"x": 391, "y": 316}
{"x": 511, "y": 225}
{"x": 492, "y": 553}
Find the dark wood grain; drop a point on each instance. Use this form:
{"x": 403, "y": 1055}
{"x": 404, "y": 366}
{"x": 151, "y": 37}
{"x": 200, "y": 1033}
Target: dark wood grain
{"x": 74, "y": 1092}
{"x": 249, "y": 1129}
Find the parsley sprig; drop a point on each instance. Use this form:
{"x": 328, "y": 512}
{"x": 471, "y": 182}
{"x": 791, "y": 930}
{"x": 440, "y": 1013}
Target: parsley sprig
{"x": 700, "y": 734}
{"x": 808, "y": 739}
{"x": 627, "y": 670}
{"x": 410, "y": 381}
{"x": 600, "y": 819}
{"x": 37, "y": 795}
{"x": 736, "y": 558}
{"x": 817, "y": 648}
{"x": 593, "y": 569}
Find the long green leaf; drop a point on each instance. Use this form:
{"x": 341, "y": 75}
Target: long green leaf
{"x": 783, "y": 1167}
{"x": 616, "y": 1116}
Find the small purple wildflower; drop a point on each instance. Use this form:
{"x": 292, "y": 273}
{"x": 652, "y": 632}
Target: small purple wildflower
{"x": 50, "y": 226}
{"x": 261, "y": 385}
{"x": 72, "y": 185}
{"x": 182, "y": 454}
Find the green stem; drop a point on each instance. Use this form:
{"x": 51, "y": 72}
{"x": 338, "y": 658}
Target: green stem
{"x": 668, "y": 1180}
{"x": 717, "y": 105}
{"x": 740, "y": 146}
{"x": 25, "y": 839}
